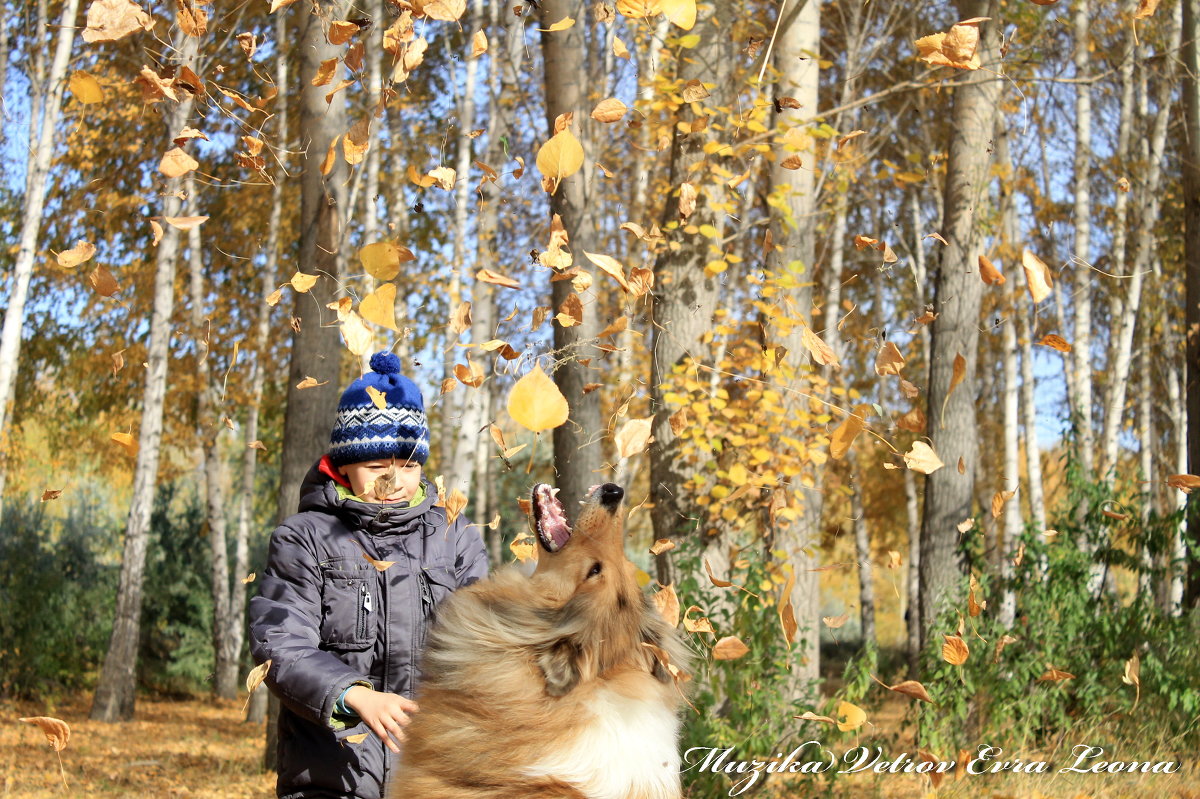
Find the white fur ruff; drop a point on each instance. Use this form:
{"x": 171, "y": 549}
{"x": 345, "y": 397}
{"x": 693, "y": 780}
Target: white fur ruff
{"x": 627, "y": 748}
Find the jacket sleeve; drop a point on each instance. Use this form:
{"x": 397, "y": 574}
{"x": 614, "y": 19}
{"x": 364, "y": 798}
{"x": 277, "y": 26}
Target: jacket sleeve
{"x": 470, "y": 554}
{"x": 285, "y": 623}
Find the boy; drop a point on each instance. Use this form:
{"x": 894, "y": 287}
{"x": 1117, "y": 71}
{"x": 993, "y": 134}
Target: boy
{"x": 344, "y": 632}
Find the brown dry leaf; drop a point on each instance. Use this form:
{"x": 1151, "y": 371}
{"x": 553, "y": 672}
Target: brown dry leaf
{"x": 959, "y": 374}
{"x": 988, "y": 273}
{"x": 974, "y": 605}
{"x": 249, "y": 578}
{"x": 843, "y": 437}
{"x": 909, "y": 390}
{"x": 850, "y": 716}
{"x": 570, "y": 313}
{"x": 562, "y": 25}
{"x": 185, "y": 222}
{"x": 610, "y": 110}
{"x": 718, "y": 583}
{"x": 461, "y": 319}
{"x": 668, "y": 604}
{"x": 103, "y": 282}
{"x": 729, "y": 648}
{"x": 687, "y": 200}
{"x": 81, "y": 252}
{"x": 937, "y": 237}
{"x": 51, "y": 493}
{"x": 894, "y": 559}
{"x": 791, "y": 162}
{"x": 357, "y": 141}
{"x": 921, "y": 458}
{"x": 611, "y": 267}
{"x": 662, "y": 545}
{"x": 470, "y": 374}
{"x": 479, "y": 44}
{"x": 109, "y": 20}
{"x": 380, "y": 565}
{"x": 1133, "y": 671}
{"x": 357, "y": 738}
{"x": 177, "y": 163}
{"x": 330, "y": 157}
{"x": 341, "y": 31}
{"x": 310, "y": 382}
{"x": 633, "y": 437}
{"x": 118, "y": 359}
{"x": 1184, "y": 482}
{"x": 836, "y": 622}
{"x": 787, "y": 613}
{"x": 693, "y": 91}
{"x": 808, "y": 715}
{"x": 1055, "y": 343}
{"x": 249, "y": 44}
{"x": 955, "y": 650}
{"x": 1055, "y": 675}
{"x": 959, "y": 48}
{"x": 302, "y": 282}
{"x": 1121, "y": 517}
{"x": 1000, "y": 645}
{"x": 256, "y": 676}
{"x": 455, "y": 503}
{"x": 821, "y": 352}
{"x": 1145, "y": 9}
{"x": 697, "y": 625}
{"x": 443, "y": 177}
{"x": 889, "y": 361}
{"x": 914, "y": 421}
{"x": 56, "y": 730}
{"x": 445, "y": 10}
{"x": 192, "y": 21}
{"x": 935, "y": 776}
{"x": 325, "y": 72}
{"x": 911, "y": 688}
{"x": 998, "y": 501}
{"x": 126, "y": 442}
{"x": 495, "y": 278}
{"x": 1037, "y": 276}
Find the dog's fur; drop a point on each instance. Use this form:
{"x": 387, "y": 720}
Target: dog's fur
{"x": 540, "y": 687}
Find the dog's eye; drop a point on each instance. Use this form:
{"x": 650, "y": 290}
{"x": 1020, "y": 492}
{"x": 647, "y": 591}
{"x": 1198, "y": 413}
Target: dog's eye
{"x": 595, "y": 570}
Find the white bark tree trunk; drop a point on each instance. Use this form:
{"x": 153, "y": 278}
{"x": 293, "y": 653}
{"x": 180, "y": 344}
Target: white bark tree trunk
{"x": 48, "y": 97}
{"x": 1082, "y": 293}
{"x": 116, "y": 692}
{"x": 866, "y": 571}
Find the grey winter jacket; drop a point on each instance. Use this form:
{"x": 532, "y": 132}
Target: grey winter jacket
{"x": 327, "y": 619}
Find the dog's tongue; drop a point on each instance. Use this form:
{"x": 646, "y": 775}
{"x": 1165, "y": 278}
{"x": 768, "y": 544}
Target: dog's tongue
{"x": 552, "y": 529}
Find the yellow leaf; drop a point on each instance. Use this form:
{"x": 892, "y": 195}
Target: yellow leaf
{"x": 667, "y": 603}
{"x": 378, "y": 398}
{"x": 126, "y": 442}
{"x": 610, "y": 266}
{"x": 85, "y": 88}
{"x": 358, "y": 337}
{"x": 302, "y": 282}
{"x": 561, "y": 156}
{"x": 680, "y": 12}
{"x": 561, "y": 25}
{"x": 454, "y": 505}
{"x": 310, "y": 382}
{"x": 82, "y": 251}
{"x": 889, "y": 361}
{"x": 848, "y": 430}
{"x": 56, "y": 730}
{"x": 443, "y": 177}
{"x": 536, "y": 403}
{"x": 955, "y": 650}
{"x": 523, "y": 549}
{"x": 633, "y": 437}
{"x": 382, "y": 259}
{"x": 821, "y": 352}
{"x": 257, "y": 675}
{"x": 379, "y": 307}
{"x": 729, "y": 648}
{"x": 1037, "y": 276}
{"x": 850, "y": 716}
{"x": 610, "y": 110}
{"x": 103, "y": 282}
{"x": 445, "y": 10}
{"x": 357, "y": 141}
{"x": 662, "y": 545}
{"x": 639, "y": 9}
{"x": 185, "y": 222}
{"x": 176, "y": 163}
{"x": 958, "y": 48}
{"x": 357, "y": 738}
{"x": 988, "y": 273}
{"x": 921, "y": 458}
{"x": 249, "y": 578}
{"x": 479, "y": 44}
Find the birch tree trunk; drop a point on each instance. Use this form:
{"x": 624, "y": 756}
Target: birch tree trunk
{"x": 48, "y": 96}
{"x": 1190, "y": 155}
{"x": 955, "y": 332}
{"x": 866, "y": 572}
{"x": 1082, "y": 293}
{"x": 577, "y": 457}
{"x": 116, "y": 691}
{"x": 912, "y": 582}
{"x": 684, "y": 296}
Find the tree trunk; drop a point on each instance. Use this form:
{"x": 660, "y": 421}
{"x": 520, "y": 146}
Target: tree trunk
{"x": 116, "y": 692}
{"x": 912, "y": 582}
{"x": 1190, "y": 154}
{"x": 684, "y": 296}
{"x": 577, "y": 456}
{"x": 1012, "y": 476}
{"x": 1082, "y": 291}
{"x": 208, "y": 433}
{"x": 955, "y": 332}
{"x": 866, "y": 571}
{"x": 47, "y": 95}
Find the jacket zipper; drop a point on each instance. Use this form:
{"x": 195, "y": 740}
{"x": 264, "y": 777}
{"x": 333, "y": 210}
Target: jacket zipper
{"x": 364, "y": 608}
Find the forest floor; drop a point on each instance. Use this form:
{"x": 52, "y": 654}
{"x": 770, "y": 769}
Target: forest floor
{"x": 201, "y": 749}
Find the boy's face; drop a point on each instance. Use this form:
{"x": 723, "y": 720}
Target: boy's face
{"x": 371, "y": 480}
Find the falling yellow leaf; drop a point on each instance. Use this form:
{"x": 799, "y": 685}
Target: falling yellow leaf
{"x": 1037, "y": 276}
{"x": 103, "y": 282}
{"x": 1055, "y": 343}
{"x": 998, "y": 501}
{"x": 310, "y": 382}
{"x": 662, "y": 545}
{"x": 81, "y": 252}
{"x": 639, "y": 9}
{"x": 536, "y": 403}
{"x": 249, "y": 578}
{"x": 357, "y": 738}
{"x": 445, "y": 10}
{"x": 85, "y": 88}
{"x": 443, "y": 177}
{"x": 889, "y": 361}
{"x": 958, "y": 48}
{"x": 495, "y": 278}
{"x": 667, "y": 603}
{"x": 729, "y": 648}
{"x": 109, "y": 20}
{"x": 1055, "y": 675}
{"x": 610, "y": 266}
{"x": 126, "y": 442}
{"x": 955, "y": 650}
{"x": 357, "y": 336}
{"x": 379, "y": 307}
{"x": 850, "y": 716}
{"x": 633, "y": 437}
{"x": 821, "y": 352}
{"x": 843, "y": 437}
{"x": 56, "y": 730}
{"x": 176, "y": 163}
{"x": 560, "y": 157}
{"x": 1145, "y": 9}
{"x": 681, "y": 12}
{"x": 479, "y": 44}
{"x": 693, "y": 91}
{"x": 357, "y": 141}
{"x": 697, "y": 625}
{"x": 302, "y": 282}
{"x": 382, "y": 259}
{"x": 922, "y": 458}
{"x": 988, "y": 273}
{"x": 610, "y": 110}
{"x": 561, "y": 25}
{"x": 378, "y": 398}
{"x": 185, "y": 222}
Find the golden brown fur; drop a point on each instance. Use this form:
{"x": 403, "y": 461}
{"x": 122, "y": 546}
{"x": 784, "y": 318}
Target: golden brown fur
{"x": 518, "y": 669}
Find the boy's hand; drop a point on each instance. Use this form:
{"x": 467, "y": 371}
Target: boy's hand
{"x": 386, "y": 714}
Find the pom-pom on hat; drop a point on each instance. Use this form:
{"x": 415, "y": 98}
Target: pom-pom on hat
{"x": 363, "y": 431}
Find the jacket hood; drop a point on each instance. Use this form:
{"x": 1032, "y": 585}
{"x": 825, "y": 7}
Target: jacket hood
{"x": 318, "y": 492}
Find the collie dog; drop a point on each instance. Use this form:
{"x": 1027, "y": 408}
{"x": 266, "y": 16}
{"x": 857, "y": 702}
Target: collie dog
{"x": 560, "y": 685}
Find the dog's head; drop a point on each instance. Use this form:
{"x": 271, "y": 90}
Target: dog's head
{"x": 590, "y": 588}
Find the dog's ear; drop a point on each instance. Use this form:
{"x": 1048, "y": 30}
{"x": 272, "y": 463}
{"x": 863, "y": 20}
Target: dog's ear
{"x": 560, "y": 665}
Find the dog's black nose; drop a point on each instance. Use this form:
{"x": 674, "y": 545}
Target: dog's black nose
{"x": 611, "y": 495}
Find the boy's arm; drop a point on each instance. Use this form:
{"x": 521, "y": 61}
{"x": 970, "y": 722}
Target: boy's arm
{"x": 285, "y": 622}
{"x": 470, "y": 555}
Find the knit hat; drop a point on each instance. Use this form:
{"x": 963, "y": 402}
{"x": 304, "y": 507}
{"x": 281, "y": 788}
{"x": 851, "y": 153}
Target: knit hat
{"x": 363, "y": 431}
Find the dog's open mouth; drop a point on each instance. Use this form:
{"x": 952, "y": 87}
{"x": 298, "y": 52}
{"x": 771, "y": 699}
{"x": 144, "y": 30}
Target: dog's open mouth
{"x": 553, "y": 532}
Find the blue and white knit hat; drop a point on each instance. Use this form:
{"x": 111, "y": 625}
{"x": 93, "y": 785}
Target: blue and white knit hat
{"x": 363, "y": 431}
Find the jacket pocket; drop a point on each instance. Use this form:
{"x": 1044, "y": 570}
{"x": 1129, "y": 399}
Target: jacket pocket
{"x": 348, "y": 609}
